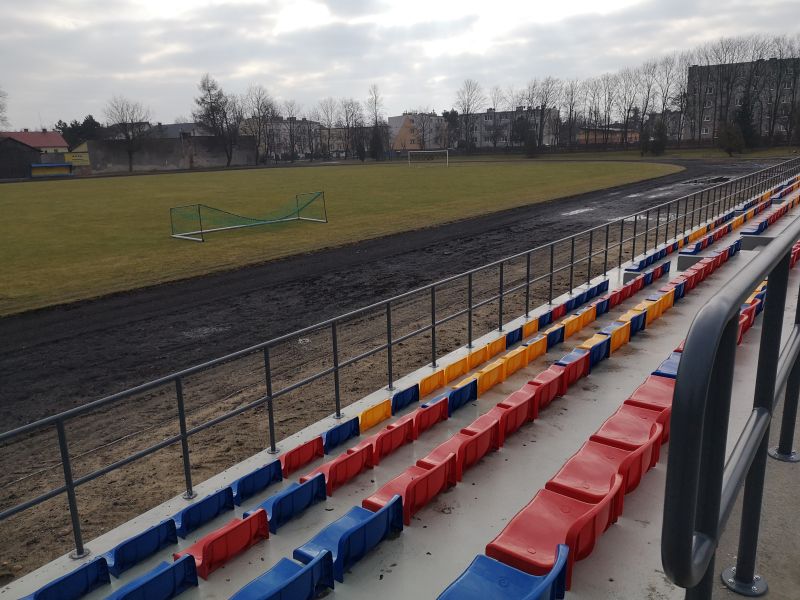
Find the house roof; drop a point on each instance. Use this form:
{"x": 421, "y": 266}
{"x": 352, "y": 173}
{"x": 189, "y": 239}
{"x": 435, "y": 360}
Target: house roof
{"x": 37, "y": 139}
{"x": 4, "y": 139}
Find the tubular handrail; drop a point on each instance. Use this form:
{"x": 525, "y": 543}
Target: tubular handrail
{"x": 701, "y": 487}
{"x": 714, "y": 201}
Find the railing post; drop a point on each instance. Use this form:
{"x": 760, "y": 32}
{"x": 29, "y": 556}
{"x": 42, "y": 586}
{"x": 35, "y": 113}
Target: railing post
{"x": 527, "y": 284}
{"x": 571, "y": 263}
{"x": 336, "y": 392}
{"x": 621, "y": 238}
{"x": 501, "y": 292}
{"x": 270, "y": 412}
{"x": 685, "y": 214}
{"x": 605, "y": 251}
{"x": 469, "y": 310}
{"x": 433, "y": 326}
{"x": 783, "y": 451}
{"x": 389, "y": 362}
{"x": 552, "y": 266}
{"x": 742, "y": 578}
{"x": 635, "y": 227}
{"x": 589, "y": 259}
{"x": 80, "y": 551}
{"x": 187, "y": 465}
{"x": 646, "y": 229}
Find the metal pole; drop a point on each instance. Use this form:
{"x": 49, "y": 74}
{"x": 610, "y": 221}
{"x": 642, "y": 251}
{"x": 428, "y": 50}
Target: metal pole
{"x": 635, "y": 227}
{"x": 80, "y": 551}
{"x": 742, "y": 578}
{"x": 605, "y": 252}
{"x": 187, "y": 466}
{"x": 528, "y": 284}
{"x": 571, "y": 263}
{"x": 200, "y": 219}
{"x": 621, "y": 238}
{"x": 694, "y": 207}
{"x": 336, "y": 393}
{"x": 469, "y": 310}
{"x": 389, "y": 361}
{"x": 685, "y": 214}
{"x": 270, "y": 412}
{"x": 433, "y": 325}
{"x": 500, "y": 312}
{"x": 552, "y": 264}
{"x": 646, "y": 229}
{"x": 658, "y": 224}
{"x": 589, "y": 259}
{"x": 783, "y": 451}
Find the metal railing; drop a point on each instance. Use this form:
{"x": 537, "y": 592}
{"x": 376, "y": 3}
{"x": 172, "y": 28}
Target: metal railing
{"x": 542, "y": 272}
{"x": 702, "y": 486}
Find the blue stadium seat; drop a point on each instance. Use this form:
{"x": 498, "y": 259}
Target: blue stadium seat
{"x": 339, "y": 434}
{"x": 669, "y": 368}
{"x": 288, "y": 580}
{"x": 513, "y": 337}
{"x": 489, "y": 579}
{"x": 405, "y": 397}
{"x": 201, "y": 512}
{"x": 133, "y": 550}
{"x": 292, "y": 500}
{"x": 76, "y": 584}
{"x": 458, "y": 397}
{"x": 166, "y": 581}
{"x": 256, "y": 481}
{"x": 555, "y": 336}
{"x": 349, "y": 538}
{"x": 545, "y": 319}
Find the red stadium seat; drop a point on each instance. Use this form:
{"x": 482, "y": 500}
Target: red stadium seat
{"x": 343, "y": 468}
{"x": 390, "y": 439}
{"x": 529, "y": 540}
{"x": 552, "y": 383}
{"x": 425, "y": 417}
{"x": 468, "y": 445}
{"x": 218, "y": 547}
{"x": 656, "y": 394}
{"x": 417, "y": 485}
{"x": 631, "y": 428}
{"x": 513, "y": 413}
{"x": 300, "y": 456}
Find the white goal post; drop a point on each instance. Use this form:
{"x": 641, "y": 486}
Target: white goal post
{"x": 428, "y": 157}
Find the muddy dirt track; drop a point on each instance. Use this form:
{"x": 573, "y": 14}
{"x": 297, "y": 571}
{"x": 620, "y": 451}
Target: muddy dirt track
{"x": 57, "y": 358}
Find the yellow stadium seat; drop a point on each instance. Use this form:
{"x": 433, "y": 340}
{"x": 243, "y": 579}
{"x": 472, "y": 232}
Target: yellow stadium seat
{"x": 536, "y": 348}
{"x": 456, "y": 369}
{"x": 491, "y": 375}
{"x": 465, "y": 381}
{"x": 529, "y": 328}
{"x": 375, "y": 414}
{"x": 496, "y": 347}
{"x": 572, "y": 325}
{"x": 478, "y": 356}
{"x": 667, "y": 300}
{"x": 432, "y": 382}
{"x": 620, "y": 336}
{"x": 589, "y": 315}
{"x": 516, "y": 360}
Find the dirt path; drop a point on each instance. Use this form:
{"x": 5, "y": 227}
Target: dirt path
{"x": 54, "y": 359}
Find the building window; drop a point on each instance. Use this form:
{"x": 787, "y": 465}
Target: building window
{"x": 704, "y": 131}
{"x": 710, "y": 90}
{"x": 787, "y": 85}
{"x": 487, "y": 117}
{"x": 707, "y": 104}
{"x": 707, "y": 118}
{"x": 738, "y": 102}
{"x": 412, "y": 141}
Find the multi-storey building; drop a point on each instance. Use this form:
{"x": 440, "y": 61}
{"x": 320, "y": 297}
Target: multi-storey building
{"x": 767, "y": 90}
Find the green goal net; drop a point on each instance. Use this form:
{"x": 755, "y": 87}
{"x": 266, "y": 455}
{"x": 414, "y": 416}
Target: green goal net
{"x": 193, "y": 221}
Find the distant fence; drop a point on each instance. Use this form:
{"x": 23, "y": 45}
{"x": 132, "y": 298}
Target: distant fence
{"x": 543, "y": 272}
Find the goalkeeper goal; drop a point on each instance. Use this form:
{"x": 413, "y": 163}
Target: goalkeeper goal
{"x": 428, "y": 157}
{"x": 194, "y": 221}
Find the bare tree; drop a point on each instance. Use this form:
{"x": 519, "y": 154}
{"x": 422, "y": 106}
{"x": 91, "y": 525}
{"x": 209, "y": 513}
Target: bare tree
{"x": 3, "y": 108}
{"x": 129, "y": 120}
{"x": 379, "y": 135}
{"x": 646, "y": 82}
{"x": 470, "y": 100}
{"x": 328, "y": 109}
{"x": 260, "y": 111}
{"x": 681, "y": 98}
{"x": 291, "y": 111}
{"x": 608, "y": 93}
{"x": 547, "y": 96}
{"x": 626, "y": 99}
{"x": 569, "y": 104}
{"x": 423, "y": 119}
{"x": 665, "y": 83}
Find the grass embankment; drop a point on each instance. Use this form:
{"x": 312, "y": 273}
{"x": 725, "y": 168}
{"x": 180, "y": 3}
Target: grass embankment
{"x": 70, "y": 240}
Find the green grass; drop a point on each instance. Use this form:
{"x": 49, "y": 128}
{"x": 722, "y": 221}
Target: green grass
{"x": 70, "y": 240}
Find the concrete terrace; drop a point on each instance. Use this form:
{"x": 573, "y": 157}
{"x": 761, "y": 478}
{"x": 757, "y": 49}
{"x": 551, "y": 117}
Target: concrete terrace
{"x": 448, "y": 533}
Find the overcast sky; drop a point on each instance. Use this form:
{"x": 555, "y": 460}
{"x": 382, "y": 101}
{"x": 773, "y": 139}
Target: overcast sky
{"x": 64, "y": 59}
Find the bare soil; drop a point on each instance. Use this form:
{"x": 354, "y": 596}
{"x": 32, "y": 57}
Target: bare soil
{"x": 59, "y": 358}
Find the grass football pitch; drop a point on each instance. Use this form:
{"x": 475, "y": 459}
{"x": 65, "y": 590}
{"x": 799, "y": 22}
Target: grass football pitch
{"x": 69, "y": 240}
